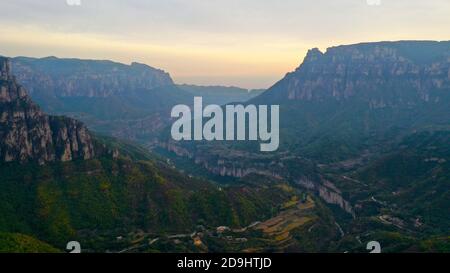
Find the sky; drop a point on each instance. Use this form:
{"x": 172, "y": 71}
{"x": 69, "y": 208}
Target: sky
{"x": 246, "y": 43}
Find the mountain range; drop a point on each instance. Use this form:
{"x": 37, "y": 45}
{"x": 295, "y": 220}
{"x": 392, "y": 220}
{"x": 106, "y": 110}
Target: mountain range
{"x": 60, "y": 182}
{"x": 140, "y": 95}
{"x": 364, "y": 155}
{"x": 347, "y": 117}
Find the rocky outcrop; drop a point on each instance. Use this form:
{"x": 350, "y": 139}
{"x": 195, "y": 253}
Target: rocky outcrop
{"x": 56, "y": 77}
{"x": 27, "y": 134}
{"x": 241, "y": 164}
{"x": 328, "y": 192}
{"x": 335, "y": 198}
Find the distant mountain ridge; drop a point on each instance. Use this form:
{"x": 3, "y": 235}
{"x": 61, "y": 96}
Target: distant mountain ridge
{"x": 28, "y": 134}
{"x": 221, "y": 95}
{"x": 382, "y": 73}
{"x": 57, "y": 77}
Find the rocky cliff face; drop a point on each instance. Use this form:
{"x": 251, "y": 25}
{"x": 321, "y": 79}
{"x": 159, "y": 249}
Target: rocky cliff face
{"x": 327, "y": 191}
{"x": 383, "y": 74}
{"x": 28, "y": 134}
{"x": 85, "y": 78}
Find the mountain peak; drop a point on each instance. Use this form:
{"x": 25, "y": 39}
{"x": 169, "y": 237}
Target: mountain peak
{"x": 313, "y": 54}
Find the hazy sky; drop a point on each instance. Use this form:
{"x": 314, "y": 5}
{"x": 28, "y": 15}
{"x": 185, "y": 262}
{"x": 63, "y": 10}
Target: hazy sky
{"x": 248, "y": 43}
